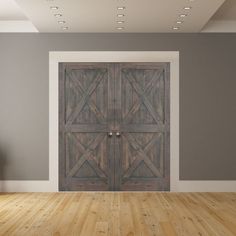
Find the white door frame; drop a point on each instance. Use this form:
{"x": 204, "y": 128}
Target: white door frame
{"x": 114, "y": 56}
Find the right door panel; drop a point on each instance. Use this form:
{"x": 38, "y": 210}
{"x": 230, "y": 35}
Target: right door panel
{"x": 142, "y": 116}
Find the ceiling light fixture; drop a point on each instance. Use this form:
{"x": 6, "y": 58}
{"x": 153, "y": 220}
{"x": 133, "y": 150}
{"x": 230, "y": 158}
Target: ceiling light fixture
{"x": 183, "y": 15}
{"x": 120, "y": 22}
{"x": 61, "y": 22}
{"x": 58, "y": 15}
{"x": 175, "y": 28}
{"x": 120, "y": 15}
{"x": 179, "y": 22}
{"x": 54, "y": 8}
{"x": 65, "y": 28}
{"x": 187, "y": 8}
{"x": 120, "y": 8}
{"x": 120, "y": 28}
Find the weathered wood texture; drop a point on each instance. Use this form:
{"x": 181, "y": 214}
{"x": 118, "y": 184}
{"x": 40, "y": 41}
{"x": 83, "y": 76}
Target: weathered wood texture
{"x": 142, "y": 92}
{"x": 118, "y": 214}
{"x": 129, "y": 98}
{"x": 85, "y": 92}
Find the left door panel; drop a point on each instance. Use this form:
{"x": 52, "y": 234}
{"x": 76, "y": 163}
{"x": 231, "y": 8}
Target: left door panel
{"x": 86, "y": 107}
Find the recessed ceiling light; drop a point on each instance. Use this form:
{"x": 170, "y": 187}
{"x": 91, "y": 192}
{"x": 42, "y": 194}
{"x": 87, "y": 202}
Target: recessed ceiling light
{"x": 120, "y": 22}
{"x": 179, "y": 22}
{"x": 120, "y": 15}
{"x": 65, "y": 28}
{"x": 175, "y": 28}
{"x": 183, "y": 15}
{"x": 58, "y": 15}
{"x": 120, "y": 8}
{"x": 61, "y": 22}
{"x": 187, "y": 8}
{"x": 54, "y": 8}
{"x": 120, "y": 28}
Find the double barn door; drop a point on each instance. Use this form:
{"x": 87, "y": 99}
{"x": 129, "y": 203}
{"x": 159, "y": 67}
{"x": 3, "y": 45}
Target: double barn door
{"x": 114, "y": 126}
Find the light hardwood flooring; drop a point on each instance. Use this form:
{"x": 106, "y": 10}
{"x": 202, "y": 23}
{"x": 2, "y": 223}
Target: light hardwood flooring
{"x": 119, "y": 213}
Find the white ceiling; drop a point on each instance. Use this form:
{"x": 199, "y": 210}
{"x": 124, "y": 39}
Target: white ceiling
{"x": 13, "y": 19}
{"x": 101, "y": 15}
{"x": 142, "y": 16}
{"x": 224, "y": 20}
{"x": 227, "y": 11}
{"x": 9, "y": 10}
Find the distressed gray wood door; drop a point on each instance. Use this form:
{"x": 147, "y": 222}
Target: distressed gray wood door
{"x": 86, "y": 117}
{"x": 142, "y": 118}
{"x": 131, "y": 100}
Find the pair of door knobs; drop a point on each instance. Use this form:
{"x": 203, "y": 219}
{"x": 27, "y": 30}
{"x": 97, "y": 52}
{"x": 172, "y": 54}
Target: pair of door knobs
{"x": 111, "y": 133}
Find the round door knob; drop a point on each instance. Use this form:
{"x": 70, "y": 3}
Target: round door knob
{"x": 118, "y": 134}
{"x": 110, "y": 134}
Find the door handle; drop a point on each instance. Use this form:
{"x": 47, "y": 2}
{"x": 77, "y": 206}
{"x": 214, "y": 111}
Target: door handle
{"x": 118, "y": 134}
{"x": 110, "y": 134}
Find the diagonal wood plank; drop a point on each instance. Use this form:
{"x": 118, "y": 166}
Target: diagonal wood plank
{"x": 82, "y": 150}
{"x": 147, "y": 90}
{"x": 140, "y": 152}
{"x": 152, "y": 142}
{"x": 79, "y": 145}
{"x": 143, "y": 97}
{"x": 86, "y": 97}
{"x": 79, "y": 163}
{"x": 133, "y": 166}
{"x": 78, "y": 88}
{"x": 90, "y": 158}
{"x": 138, "y": 158}
{"x": 87, "y": 155}
{"x": 94, "y": 165}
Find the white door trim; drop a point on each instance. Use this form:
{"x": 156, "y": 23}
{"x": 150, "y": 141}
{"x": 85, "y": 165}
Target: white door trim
{"x": 51, "y": 185}
{"x": 114, "y": 56}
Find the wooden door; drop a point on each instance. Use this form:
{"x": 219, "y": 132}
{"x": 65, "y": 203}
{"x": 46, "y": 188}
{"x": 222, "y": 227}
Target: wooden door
{"x": 131, "y": 100}
{"x": 143, "y": 121}
{"x": 86, "y": 116}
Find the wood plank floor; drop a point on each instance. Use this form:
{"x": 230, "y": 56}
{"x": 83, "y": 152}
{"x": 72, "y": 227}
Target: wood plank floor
{"x": 123, "y": 214}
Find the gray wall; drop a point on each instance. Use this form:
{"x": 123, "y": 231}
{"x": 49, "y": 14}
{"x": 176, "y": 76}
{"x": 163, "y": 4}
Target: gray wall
{"x": 207, "y": 98}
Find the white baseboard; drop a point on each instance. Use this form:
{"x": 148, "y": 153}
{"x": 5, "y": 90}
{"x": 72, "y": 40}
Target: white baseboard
{"x": 181, "y": 186}
{"x": 206, "y": 186}
{"x": 27, "y": 186}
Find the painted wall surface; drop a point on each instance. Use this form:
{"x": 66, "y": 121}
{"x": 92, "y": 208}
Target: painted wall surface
{"x": 207, "y": 98}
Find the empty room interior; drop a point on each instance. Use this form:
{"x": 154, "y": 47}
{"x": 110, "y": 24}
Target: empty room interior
{"x": 117, "y": 117}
